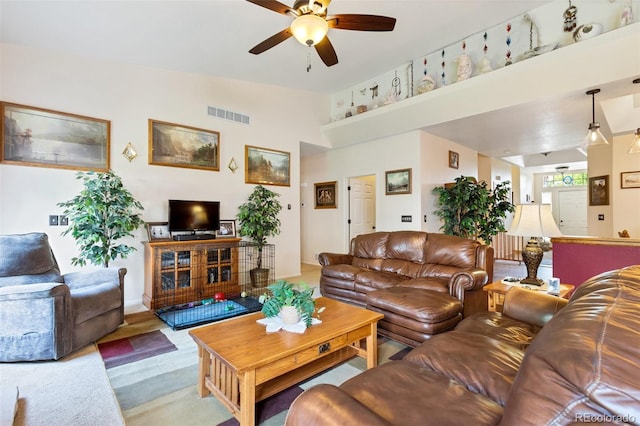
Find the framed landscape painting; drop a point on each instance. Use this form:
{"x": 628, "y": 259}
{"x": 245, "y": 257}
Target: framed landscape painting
{"x": 43, "y": 138}
{"x": 630, "y": 180}
{"x": 398, "y": 182}
{"x": 175, "y": 145}
{"x": 267, "y": 166}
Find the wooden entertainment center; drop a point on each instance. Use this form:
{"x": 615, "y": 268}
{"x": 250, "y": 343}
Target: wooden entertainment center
{"x": 178, "y": 272}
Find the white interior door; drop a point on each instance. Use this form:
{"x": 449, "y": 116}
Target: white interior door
{"x": 572, "y": 212}
{"x": 362, "y": 205}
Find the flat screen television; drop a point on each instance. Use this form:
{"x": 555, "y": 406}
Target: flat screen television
{"x": 192, "y": 216}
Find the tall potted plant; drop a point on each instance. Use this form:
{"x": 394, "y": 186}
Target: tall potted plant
{"x": 103, "y": 213}
{"x": 258, "y": 220}
{"x": 471, "y": 209}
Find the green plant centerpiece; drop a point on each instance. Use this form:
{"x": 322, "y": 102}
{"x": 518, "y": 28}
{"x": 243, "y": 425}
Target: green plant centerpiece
{"x": 284, "y": 293}
{"x": 470, "y": 209}
{"x": 103, "y": 213}
{"x": 258, "y": 220}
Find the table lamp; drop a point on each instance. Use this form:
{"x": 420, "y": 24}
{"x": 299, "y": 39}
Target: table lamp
{"x": 533, "y": 220}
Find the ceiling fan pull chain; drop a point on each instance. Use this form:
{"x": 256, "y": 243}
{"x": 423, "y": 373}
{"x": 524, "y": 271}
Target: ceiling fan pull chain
{"x": 570, "y": 18}
{"x": 308, "y": 61}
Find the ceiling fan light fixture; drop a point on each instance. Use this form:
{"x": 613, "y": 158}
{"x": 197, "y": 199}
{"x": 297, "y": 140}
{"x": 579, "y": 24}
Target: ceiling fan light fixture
{"x": 635, "y": 146}
{"x": 594, "y": 136}
{"x": 309, "y": 29}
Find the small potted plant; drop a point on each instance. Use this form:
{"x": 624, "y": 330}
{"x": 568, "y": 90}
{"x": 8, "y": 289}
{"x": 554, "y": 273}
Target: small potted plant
{"x": 291, "y": 303}
{"x": 258, "y": 220}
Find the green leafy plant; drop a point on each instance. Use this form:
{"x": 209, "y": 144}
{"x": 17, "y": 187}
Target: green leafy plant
{"x": 470, "y": 209}
{"x": 103, "y": 212}
{"x": 258, "y": 219}
{"x": 284, "y": 293}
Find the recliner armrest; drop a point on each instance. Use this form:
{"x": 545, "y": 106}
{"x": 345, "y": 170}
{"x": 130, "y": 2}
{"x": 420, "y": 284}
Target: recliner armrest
{"x": 33, "y": 291}
{"x": 328, "y": 405}
{"x": 87, "y": 278}
{"x": 466, "y": 281}
{"x": 532, "y": 307}
{"x": 334, "y": 259}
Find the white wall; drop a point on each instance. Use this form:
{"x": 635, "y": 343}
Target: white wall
{"x": 434, "y": 152}
{"x": 326, "y": 229}
{"x": 626, "y": 201}
{"x": 128, "y": 96}
{"x": 425, "y": 154}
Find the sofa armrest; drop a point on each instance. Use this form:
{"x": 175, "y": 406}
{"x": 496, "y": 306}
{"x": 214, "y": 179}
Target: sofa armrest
{"x": 466, "y": 281}
{"x": 532, "y": 307}
{"x": 328, "y": 405}
{"x": 89, "y": 278}
{"x": 334, "y": 259}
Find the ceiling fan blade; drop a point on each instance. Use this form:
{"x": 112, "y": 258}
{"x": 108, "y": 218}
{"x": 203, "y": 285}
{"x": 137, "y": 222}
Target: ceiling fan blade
{"x": 361, "y": 22}
{"x": 274, "y": 5}
{"x": 271, "y": 41}
{"x": 327, "y": 52}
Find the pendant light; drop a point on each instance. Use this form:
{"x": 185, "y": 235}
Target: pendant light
{"x": 635, "y": 146}
{"x": 594, "y": 137}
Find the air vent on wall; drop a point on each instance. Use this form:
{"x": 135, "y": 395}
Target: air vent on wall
{"x": 228, "y": 115}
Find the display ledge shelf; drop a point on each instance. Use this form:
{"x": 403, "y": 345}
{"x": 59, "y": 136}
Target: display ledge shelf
{"x": 610, "y": 57}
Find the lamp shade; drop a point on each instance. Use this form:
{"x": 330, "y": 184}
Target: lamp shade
{"x": 309, "y": 29}
{"x": 534, "y": 220}
{"x": 635, "y": 146}
{"x": 595, "y": 136}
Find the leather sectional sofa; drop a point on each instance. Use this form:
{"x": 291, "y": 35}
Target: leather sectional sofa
{"x": 538, "y": 363}
{"x": 423, "y": 283}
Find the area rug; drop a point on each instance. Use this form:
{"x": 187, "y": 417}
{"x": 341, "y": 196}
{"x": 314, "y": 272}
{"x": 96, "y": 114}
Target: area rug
{"x": 135, "y": 348}
{"x": 161, "y": 390}
{"x": 74, "y": 390}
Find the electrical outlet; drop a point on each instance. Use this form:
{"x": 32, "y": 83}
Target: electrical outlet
{"x": 406, "y": 218}
{"x": 53, "y": 220}
{"x": 600, "y": 217}
{"x": 64, "y": 220}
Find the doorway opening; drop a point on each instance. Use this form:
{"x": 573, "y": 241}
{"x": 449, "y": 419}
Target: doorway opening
{"x": 361, "y": 209}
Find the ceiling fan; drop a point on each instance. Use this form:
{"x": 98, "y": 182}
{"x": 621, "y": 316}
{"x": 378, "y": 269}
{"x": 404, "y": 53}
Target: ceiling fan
{"x": 311, "y": 24}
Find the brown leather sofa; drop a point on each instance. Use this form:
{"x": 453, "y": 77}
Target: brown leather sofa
{"x": 537, "y": 363}
{"x": 423, "y": 283}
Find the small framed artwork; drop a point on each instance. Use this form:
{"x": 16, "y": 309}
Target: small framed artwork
{"x": 630, "y": 180}
{"x": 44, "y": 138}
{"x": 158, "y": 231}
{"x": 227, "y": 229}
{"x": 267, "y": 166}
{"x": 599, "y": 191}
{"x": 175, "y": 145}
{"x": 454, "y": 159}
{"x": 398, "y": 182}
{"x": 325, "y": 195}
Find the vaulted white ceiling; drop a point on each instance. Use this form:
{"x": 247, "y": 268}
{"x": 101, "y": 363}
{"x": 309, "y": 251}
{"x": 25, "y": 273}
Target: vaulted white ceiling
{"x": 213, "y": 37}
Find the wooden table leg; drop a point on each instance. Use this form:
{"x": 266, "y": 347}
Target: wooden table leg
{"x": 372, "y": 347}
{"x": 248, "y": 398}
{"x": 204, "y": 368}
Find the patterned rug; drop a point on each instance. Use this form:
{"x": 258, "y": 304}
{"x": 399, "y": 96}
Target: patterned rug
{"x": 161, "y": 389}
{"x": 135, "y": 348}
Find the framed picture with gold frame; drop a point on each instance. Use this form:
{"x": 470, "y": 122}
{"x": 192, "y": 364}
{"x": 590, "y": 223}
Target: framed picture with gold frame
{"x": 325, "y": 195}
{"x": 267, "y": 166}
{"x": 398, "y": 182}
{"x": 44, "y": 138}
{"x": 176, "y": 145}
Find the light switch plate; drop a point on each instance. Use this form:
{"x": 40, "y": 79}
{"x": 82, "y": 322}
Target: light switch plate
{"x": 53, "y": 220}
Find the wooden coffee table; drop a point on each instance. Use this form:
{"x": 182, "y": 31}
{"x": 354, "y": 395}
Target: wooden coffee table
{"x": 240, "y": 363}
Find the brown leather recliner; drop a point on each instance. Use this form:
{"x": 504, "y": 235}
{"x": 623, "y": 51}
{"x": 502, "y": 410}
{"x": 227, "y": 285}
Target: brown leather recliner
{"x": 580, "y": 366}
{"x": 423, "y": 283}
